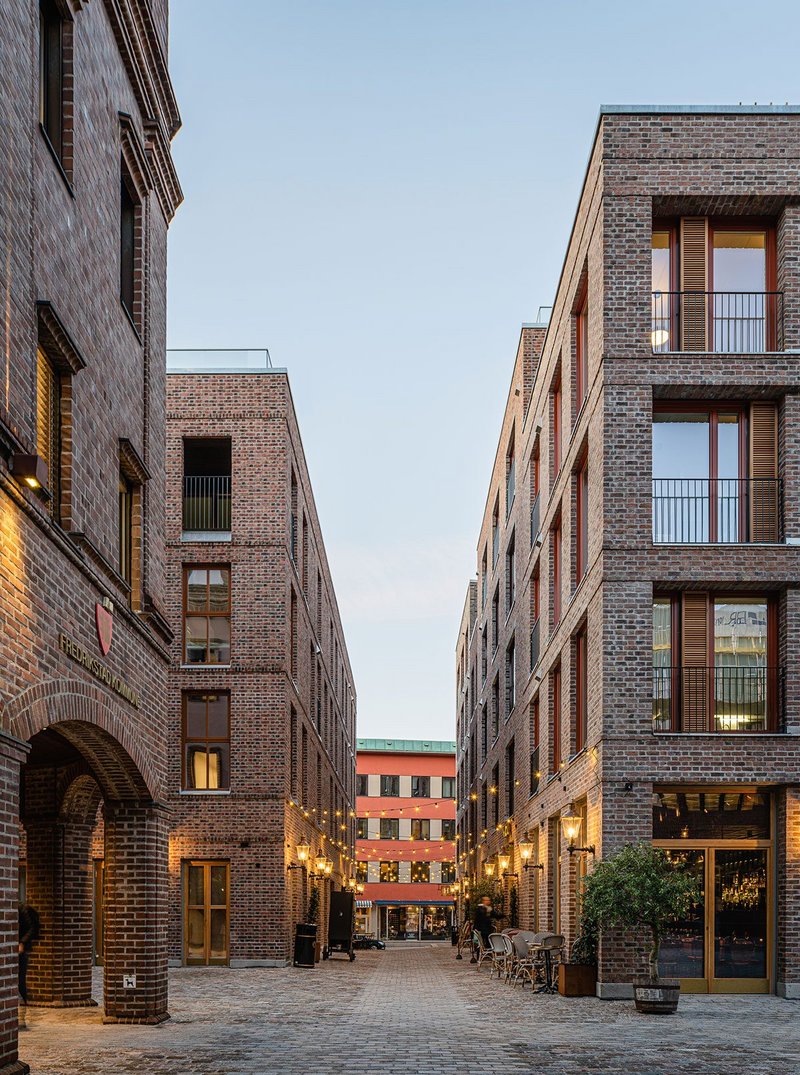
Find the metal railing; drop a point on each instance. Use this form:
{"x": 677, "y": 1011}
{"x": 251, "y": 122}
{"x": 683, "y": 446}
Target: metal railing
{"x": 207, "y": 502}
{"x": 746, "y": 698}
{"x": 720, "y": 322}
{"x": 724, "y": 510}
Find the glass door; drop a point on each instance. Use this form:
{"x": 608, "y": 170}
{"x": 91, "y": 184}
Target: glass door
{"x": 207, "y": 913}
{"x": 741, "y": 920}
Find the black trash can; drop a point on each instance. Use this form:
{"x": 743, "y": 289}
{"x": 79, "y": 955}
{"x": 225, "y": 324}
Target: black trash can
{"x": 454, "y": 936}
{"x": 305, "y": 939}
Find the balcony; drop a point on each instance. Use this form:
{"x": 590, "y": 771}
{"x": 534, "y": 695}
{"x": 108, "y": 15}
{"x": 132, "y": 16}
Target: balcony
{"x": 718, "y": 699}
{"x": 206, "y": 504}
{"x": 728, "y": 511}
{"x": 717, "y": 322}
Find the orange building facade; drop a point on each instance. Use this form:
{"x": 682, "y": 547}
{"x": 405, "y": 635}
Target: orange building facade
{"x": 405, "y": 838}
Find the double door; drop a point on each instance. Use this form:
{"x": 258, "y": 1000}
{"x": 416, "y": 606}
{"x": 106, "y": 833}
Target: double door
{"x": 724, "y": 943}
{"x": 206, "y": 913}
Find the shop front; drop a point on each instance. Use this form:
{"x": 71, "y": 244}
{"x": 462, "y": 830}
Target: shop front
{"x": 725, "y": 836}
{"x": 415, "y": 922}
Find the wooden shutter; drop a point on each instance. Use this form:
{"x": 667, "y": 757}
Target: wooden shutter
{"x": 45, "y": 393}
{"x": 764, "y": 492}
{"x": 694, "y": 661}
{"x": 694, "y": 283}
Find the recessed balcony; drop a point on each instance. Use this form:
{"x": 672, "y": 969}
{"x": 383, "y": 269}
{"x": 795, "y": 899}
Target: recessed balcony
{"x": 743, "y": 698}
{"x": 717, "y": 510}
{"x": 717, "y": 322}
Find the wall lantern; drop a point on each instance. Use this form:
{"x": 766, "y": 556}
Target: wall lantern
{"x": 32, "y": 470}
{"x": 303, "y": 851}
{"x": 328, "y": 869}
{"x": 571, "y": 822}
{"x": 503, "y": 862}
{"x": 360, "y": 889}
{"x": 319, "y": 862}
{"x": 488, "y": 869}
{"x": 525, "y": 852}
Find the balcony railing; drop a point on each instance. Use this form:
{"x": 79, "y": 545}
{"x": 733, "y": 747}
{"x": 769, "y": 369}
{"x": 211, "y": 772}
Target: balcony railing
{"x": 725, "y": 510}
{"x": 207, "y": 502}
{"x": 718, "y": 699}
{"x": 721, "y": 322}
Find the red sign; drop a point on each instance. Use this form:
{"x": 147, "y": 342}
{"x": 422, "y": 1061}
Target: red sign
{"x": 105, "y": 627}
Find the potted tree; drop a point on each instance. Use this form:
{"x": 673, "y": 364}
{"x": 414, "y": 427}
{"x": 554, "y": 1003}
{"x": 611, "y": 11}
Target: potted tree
{"x": 578, "y": 977}
{"x": 641, "y": 888}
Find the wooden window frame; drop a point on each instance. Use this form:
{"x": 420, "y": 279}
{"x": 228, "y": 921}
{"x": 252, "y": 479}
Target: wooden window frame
{"x": 217, "y": 614}
{"x": 207, "y": 908}
{"x": 581, "y": 688}
{"x": 555, "y": 723}
{"x": 557, "y": 405}
{"x": 557, "y": 546}
{"x": 582, "y": 520}
{"x": 186, "y": 740}
{"x": 581, "y": 324}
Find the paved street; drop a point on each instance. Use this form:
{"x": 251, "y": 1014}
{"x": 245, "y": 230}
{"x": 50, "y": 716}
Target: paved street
{"x": 411, "y": 1011}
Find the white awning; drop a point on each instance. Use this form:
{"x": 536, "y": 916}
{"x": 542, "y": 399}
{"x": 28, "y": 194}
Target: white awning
{"x": 363, "y": 905}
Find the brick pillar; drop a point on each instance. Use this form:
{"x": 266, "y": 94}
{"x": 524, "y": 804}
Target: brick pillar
{"x": 135, "y": 915}
{"x": 12, "y": 755}
{"x": 59, "y": 886}
{"x": 787, "y": 847}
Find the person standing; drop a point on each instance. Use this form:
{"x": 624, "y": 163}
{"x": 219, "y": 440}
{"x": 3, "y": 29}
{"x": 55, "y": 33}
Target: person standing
{"x": 484, "y": 918}
{"x": 28, "y": 934}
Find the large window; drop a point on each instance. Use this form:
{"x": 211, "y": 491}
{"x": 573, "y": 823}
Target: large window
{"x": 535, "y": 774}
{"x": 511, "y": 574}
{"x": 125, "y": 528}
{"x": 448, "y": 787}
{"x": 420, "y": 787}
{"x": 495, "y": 532}
{"x": 420, "y": 872}
{"x": 129, "y": 246}
{"x": 390, "y": 871}
{"x": 495, "y": 714}
{"x": 581, "y": 690}
{"x": 511, "y": 478}
{"x": 207, "y": 607}
{"x": 48, "y": 424}
{"x": 715, "y": 664}
{"x": 555, "y": 722}
{"x": 555, "y": 547}
{"x": 206, "y": 740}
{"x": 495, "y": 619}
{"x": 390, "y": 786}
{"x": 556, "y": 429}
{"x": 582, "y": 351}
{"x": 390, "y": 828}
{"x": 448, "y": 829}
{"x": 582, "y": 520}
{"x": 420, "y": 828}
{"x": 362, "y": 784}
{"x": 51, "y": 74}
{"x": 448, "y": 873}
{"x": 362, "y": 828}
{"x": 511, "y": 677}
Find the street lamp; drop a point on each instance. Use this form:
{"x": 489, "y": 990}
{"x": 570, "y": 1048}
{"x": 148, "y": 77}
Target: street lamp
{"x": 571, "y": 822}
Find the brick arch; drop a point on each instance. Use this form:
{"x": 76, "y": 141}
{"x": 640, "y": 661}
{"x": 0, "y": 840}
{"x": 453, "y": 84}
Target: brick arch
{"x": 95, "y": 725}
{"x": 80, "y": 799}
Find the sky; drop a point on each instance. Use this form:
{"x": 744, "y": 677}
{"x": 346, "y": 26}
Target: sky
{"x": 381, "y": 192}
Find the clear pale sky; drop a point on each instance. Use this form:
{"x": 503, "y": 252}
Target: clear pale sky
{"x": 381, "y": 193}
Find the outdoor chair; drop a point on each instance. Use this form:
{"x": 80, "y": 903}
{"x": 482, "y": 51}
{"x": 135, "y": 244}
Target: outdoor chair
{"x": 502, "y": 953}
{"x": 524, "y": 964}
{"x": 480, "y": 952}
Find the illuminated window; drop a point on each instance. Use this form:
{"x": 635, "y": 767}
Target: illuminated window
{"x": 206, "y": 741}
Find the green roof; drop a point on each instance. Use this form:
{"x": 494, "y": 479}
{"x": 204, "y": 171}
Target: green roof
{"x": 408, "y": 746}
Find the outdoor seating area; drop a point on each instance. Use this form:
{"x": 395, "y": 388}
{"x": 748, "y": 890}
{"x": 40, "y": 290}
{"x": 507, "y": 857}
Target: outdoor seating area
{"x": 517, "y": 955}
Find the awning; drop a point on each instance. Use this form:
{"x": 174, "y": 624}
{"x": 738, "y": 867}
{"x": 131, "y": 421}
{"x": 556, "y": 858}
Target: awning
{"x": 446, "y": 905}
{"x": 363, "y": 905}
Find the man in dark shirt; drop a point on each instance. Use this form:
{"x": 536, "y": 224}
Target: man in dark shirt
{"x": 484, "y": 916}
{"x": 28, "y": 933}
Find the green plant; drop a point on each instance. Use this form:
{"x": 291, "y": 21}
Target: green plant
{"x": 639, "y": 888}
{"x": 513, "y": 907}
{"x": 313, "y": 904}
{"x": 584, "y": 947}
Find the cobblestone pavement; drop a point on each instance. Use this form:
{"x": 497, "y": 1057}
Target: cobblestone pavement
{"x": 416, "y": 1012}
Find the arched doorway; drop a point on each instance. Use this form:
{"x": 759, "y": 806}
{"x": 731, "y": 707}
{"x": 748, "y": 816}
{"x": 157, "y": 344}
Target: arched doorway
{"x": 87, "y": 782}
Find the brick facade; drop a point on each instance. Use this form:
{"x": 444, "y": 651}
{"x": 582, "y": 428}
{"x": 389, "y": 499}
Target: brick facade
{"x": 87, "y": 724}
{"x": 291, "y": 689}
{"x": 737, "y": 167}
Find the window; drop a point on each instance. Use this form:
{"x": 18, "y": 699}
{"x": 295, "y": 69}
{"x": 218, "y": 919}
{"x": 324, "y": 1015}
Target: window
{"x": 535, "y": 609}
{"x": 555, "y": 722}
{"x": 293, "y": 521}
{"x": 362, "y": 828}
{"x": 495, "y": 532}
{"x": 207, "y": 623}
{"x": 511, "y": 777}
{"x": 495, "y": 708}
{"x": 484, "y": 740}
{"x": 495, "y": 619}
{"x": 362, "y": 872}
{"x": 390, "y": 828}
{"x": 556, "y": 427}
{"x": 484, "y": 809}
{"x": 390, "y": 786}
{"x": 511, "y": 677}
{"x": 664, "y": 336}
{"x": 714, "y": 663}
{"x": 448, "y": 873}
{"x": 293, "y": 636}
{"x": 206, "y": 484}
{"x": 420, "y": 872}
{"x": 206, "y": 741}
{"x": 495, "y": 792}
{"x": 48, "y": 424}
{"x": 129, "y": 242}
{"x": 581, "y": 687}
{"x": 53, "y": 36}
{"x": 511, "y": 478}
{"x": 535, "y": 774}
{"x": 511, "y": 574}
{"x": 582, "y": 351}
{"x": 582, "y": 521}
{"x": 420, "y": 787}
{"x": 448, "y": 829}
{"x": 361, "y": 784}
{"x": 484, "y": 578}
{"x": 420, "y": 828}
{"x": 448, "y": 787}
{"x": 535, "y": 506}
{"x": 555, "y": 545}
{"x": 715, "y": 472}
{"x": 125, "y": 529}
{"x": 484, "y": 656}
{"x": 390, "y": 871}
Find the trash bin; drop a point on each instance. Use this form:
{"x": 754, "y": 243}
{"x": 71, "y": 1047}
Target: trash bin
{"x": 454, "y": 936}
{"x": 305, "y": 939}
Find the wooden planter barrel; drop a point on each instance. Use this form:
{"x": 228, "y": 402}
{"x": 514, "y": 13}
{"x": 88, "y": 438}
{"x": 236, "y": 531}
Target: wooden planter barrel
{"x": 577, "y": 979}
{"x": 656, "y": 998}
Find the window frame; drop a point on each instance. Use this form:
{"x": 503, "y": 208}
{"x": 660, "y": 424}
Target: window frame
{"x": 187, "y": 567}
{"x": 390, "y": 794}
{"x": 582, "y": 519}
{"x": 555, "y": 722}
{"x": 187, "y": 741}
{"x": 417, "y": 794}
{"x": 581, "y": 688}
{"x": 557, "y": 405}
{"x": 581, "y": 321}
{"x": 558, "y": 582}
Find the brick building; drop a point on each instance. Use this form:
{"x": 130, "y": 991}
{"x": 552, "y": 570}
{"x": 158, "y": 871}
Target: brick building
{"x": 88, "y": 191}
{"x": 406, "y": 837}
{"x": 625, "y": 655}
{"x": 261, "y": 754}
